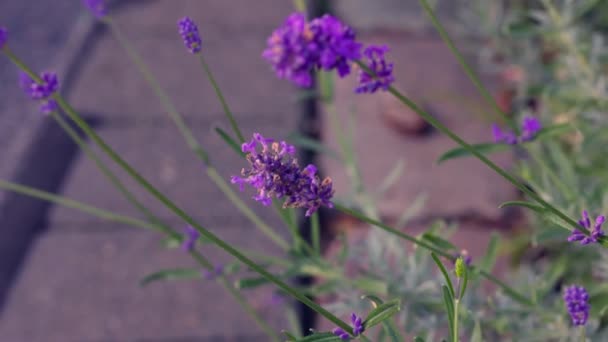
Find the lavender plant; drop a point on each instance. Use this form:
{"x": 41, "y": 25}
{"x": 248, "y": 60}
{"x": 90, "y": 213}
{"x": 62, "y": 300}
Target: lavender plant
{"x": 402, "y": 295}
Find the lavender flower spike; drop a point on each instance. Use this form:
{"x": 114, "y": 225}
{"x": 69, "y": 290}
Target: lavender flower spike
{"x": 96, "y": 7}
{"x": 356, "y": 323}
{"x": 3, "y": 37}
{"x": 594, "y": 234}
{"x": 343, "y": 335}
{"x": 190, "y": 237}
{"x": 274, "y": 173}
{"x": 577, "y": 302}
{"x": 382, "y": 71}
{"x": 41, "y": 91}
{"x": 189, "y": 32}
{"x": 529, "y": 128}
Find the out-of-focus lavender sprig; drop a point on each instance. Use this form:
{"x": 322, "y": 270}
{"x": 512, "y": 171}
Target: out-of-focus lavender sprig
{"x": 41, "y": 91}
{"x": 191, "y": 235}
{"x": 357, "y": 324}
{"x": 217, "y": 271}
{"x": 3, "y": 37}
{"x": 595, "y": 233}
{"x": 189, "y": 32}
{"x": 577, "y": 302}
{"x": 530, "y": 126}
{"x": 96, "y": 7}
{"x": 297, "y": 47}
{"x": 382, "y": 71}
{"x": 275, "y": 172}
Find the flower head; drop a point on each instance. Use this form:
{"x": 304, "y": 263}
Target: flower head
{"x": 217, "y": 271}
{"x": 189, "y": 32}
{"x": 585, "y": 223}
{"x": 577, "y": 302}
{"x": 96, "y": 7}
{"x": 297, "y": 47}
{"x": 501, "y": 136}
{"x": 3, "y": 36}
{"x": 275, "y": 172}
{"x": 460, "y": 267}
{"x": 529, "y": 128}
{"x": 356, "y": 323}
{"x": 41, "y": 91}
{"x": 382, "y": 71}
{"x": 191, "y": 235}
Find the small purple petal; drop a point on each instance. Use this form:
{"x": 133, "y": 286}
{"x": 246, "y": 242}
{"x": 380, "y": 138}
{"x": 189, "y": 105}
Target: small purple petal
{"x": 381, "y": 76}
{"x": 96, "y": 7}
{"x": 3, "y": 37}
{"x": 191, "y": 235}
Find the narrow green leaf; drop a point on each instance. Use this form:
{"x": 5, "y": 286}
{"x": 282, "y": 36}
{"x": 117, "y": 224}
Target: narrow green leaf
{"x": 485, "y": 148}
{"x": 381, "y": 313}
{"x": 448, "y": 301}
{"x": 230, "y": 141}
{"x": 539, "y": 209}
{"x": 489, "y": 259}
{"x": 392, "y": 331}
{"x": 171, "y": 274}
{"x": 476, "y": 336}
{"x": 445, "y": 274}
{"x": 311, "y": 144}
{"x": 321, "y": 337}
{"x": 250, "y": 283}
{"x": 465, "y": 281}
{"x": 367, "y": 284}
{"x": 418, "y": 339}
{"x": 553, "y": 130}
{"x": 376, "y": 301}
{"x": 441, "y": 243}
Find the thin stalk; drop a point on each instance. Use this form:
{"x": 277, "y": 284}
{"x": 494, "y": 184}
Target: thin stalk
{"x": 188, "y": 219}
{"x": 220, "y": 96}
{"x": 521, "y": 298}
{"x": 455, "y": 333}
{"x": 111, "y": 177}
{"x": 72, "y": 204}
{"x": 583, "y": 335}
{"x": 551, "y": 173}
{"x": 300, "y": 5}
{"x": 158, "y": 90}
{"x": 467, "y": 69}
{"x": 188, "y": 135}
{"x": 316, "y": 233}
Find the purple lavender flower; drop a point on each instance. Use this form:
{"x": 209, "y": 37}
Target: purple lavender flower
{"x": 191, "y": 235}
{"x": 212, "y": 274}
{"x": 293, "y": 50}
{"x": 594, "y": 234}
{"x": 356, "y": 323}
{"x": 3, "y": 36}
{"x": 275, "y": 172}
{"x": 577, "y": 302}
{"x": 501, "y": 136}
{"x": 41, "y": 91}
{"x": 189, "y": 32}
{"x": 382, "y": 71}
{"x": 298, "y": 47}
{"x": 96, "y": 7}
{"x": 338, "y": 44}
{"x": 530, "y": 127}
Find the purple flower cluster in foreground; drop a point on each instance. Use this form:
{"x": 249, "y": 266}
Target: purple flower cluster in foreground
{"x": 357, "y": 325}
{"x": 191, "y": 235}
{"x": 382, "y": 70}
{"x": 41, "y": 91}
{"x": 577, "y": 302}
{"x": 299, "y": 47}
{"x": 189, "y": 32}
{"x": 530, "y": 126}
{"x": 275, "y": 172}
{"x": 96, "y": 7}
{"x": 594, "y": 234}
{"x": 3, "y": 36}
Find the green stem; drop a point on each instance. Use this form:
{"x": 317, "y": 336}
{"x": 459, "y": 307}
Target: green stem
{"x": 467, "y": 69}
{"x": 455, "y": 334}
{"x": 188, "y": 219}
{"x": 583, "y": 334}
{"x": 218, "y": 92}
{"x": 316, "y": 233}
{"x": 521, "y": 298}
{"x": 300, "y": 5}
{"x": 158, "y": 90}
{"x": 188, "y": 135}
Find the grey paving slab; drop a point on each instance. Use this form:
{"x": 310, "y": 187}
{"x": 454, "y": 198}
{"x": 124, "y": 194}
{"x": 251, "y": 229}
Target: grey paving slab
{"x": 425, "y": 71}
{"x": 234, "y": 36}
{"x": 84, "y": 287}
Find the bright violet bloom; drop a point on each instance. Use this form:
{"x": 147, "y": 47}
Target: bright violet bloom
{"x": 42, "y": 91}
{"x": 577, "y": 302}
{"x": 595, "y": 233}
{"x": 3, "y": 37}
{"x": 501, "y": 136}
{"x": 96, "y": 7}
{"x": 189, "y": 32}
{"x": 529, "y": 128}
{"x": 298, "y": 47}
{"x": 357, "y": 325}
{"x": 190, "y": 237}
{"x": 382, "y": 71}
{"x": 275, "y": 172}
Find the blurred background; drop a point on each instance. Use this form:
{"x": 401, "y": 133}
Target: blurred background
{"x": 66, "y": 276}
